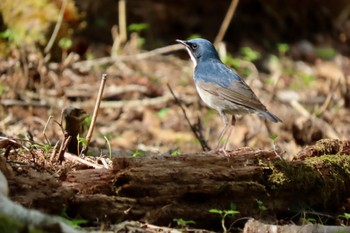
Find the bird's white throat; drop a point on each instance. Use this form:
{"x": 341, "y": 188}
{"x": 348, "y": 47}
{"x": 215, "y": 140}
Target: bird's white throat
{"x": 192, "y": 57}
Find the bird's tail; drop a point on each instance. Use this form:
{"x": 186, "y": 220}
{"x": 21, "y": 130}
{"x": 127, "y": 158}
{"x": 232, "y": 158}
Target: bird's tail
{"x": 269, "y": 116}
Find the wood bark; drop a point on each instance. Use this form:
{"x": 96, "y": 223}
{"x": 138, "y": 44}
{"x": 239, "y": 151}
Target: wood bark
{"x": 159, "y": 189}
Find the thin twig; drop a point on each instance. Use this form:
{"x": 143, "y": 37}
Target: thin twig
{"x": 196, "y": 129}
{"x": 44, "y": 130}
{"x": 230, "y": 12}
{"x": 63, "y": 147}
{"x": 108, "y": 60}
{"x": 75, "y": 158}
{"x": 54, "y": 152}
{"x": 94, "y": 116}
{"x": 122, "y": 20}
{"x": 57, "y": 27}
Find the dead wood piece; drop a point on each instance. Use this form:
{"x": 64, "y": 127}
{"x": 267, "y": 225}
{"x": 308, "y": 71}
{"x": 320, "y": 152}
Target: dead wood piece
{"x": 90, "y": 181}
{"x": 104, "y": 208}
{"x": 134, "y": 226}
{"x": 253, "y": 226}
{"x": 189, "y": 186}
{"x": 11, "y": 212}
{"x": 158, "y": 189}
{"x": 39, "y": 190}
{"x": 326, "y": 146}
{"x": 76, "y": 159}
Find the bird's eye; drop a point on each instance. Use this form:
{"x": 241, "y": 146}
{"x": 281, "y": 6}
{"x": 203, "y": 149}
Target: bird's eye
{"x": 194, "y": 46}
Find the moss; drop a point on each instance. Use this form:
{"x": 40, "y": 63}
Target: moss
{"x": 337, "y": 170}
{"x": 11, "y": 225}
{"x": 277, "y": 179}
{"x": 321, "y": 178}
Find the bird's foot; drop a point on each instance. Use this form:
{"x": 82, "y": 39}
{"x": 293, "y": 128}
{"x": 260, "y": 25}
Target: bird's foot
{"x": 221, "y": 151}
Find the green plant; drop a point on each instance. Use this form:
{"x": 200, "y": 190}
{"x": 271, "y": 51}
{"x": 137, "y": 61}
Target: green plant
{"x": 224, "y": 214}
{"x": 9, "y": 35}
{"x": 74, "y": 222}
{"x": 46, "y": 147}
{"x": 138, "y": 153}
{"x": 282, "y": 48}
{"x": 302, "y": 81}
{"x": 261, "y": 205}
{"x": 81, "y": 142}
{"x": 65, "y": 43}
{"x": 326, "y": 52}
{"x": 176, "y": 152}
{"x": 27, "y": 21}
{"x": 273, "y": 137}
{"x": 163, "y": 113}
{"x": 183, "y": 223}
{"x": 346, "y": 217}
{"x": 248, "y": 54}
{"x": 138, "y": 27}
{"x": 194, "y": 36}
{"x": 307, "y": 220}
{"x": 231, "y": 61}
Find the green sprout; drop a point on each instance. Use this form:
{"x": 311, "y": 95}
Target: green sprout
{"x": 176, "y": 152}
{"x": 138, "y": 27}
{"x": 138, "y": 153}
{"x": 261, "y": 205}
{"x": 282, "y": 48}
{"x": 248, "y": 54}
{"x": 65, "y": 43}
{"x": 345, "y": 216}
{"x": 183, "y": 223}
{"x": 194, "y": 36}
{"x": 225, "y": 213}
{"x": 163, "y": 113}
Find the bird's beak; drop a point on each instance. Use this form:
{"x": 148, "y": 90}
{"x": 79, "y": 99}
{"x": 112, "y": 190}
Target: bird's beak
{"x": 182, "y": 42}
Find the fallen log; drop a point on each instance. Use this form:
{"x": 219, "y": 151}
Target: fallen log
{"x": 159, "y": 189}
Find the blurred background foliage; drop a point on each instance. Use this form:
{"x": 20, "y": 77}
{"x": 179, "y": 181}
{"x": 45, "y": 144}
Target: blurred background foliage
{"x": 257, "y": 23}
{"x": 294, "y": 53}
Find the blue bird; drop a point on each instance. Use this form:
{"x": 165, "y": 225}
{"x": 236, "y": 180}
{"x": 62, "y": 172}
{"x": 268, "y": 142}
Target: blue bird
{"x": 222, "y": 88}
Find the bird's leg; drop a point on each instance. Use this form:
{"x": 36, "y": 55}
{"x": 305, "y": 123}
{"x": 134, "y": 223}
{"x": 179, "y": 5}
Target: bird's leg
{"x": 233, "y": 122}
{"x": 221, "y": 136}
{"x": 226, "y": 126}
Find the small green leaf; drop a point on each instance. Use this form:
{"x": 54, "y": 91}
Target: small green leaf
{"x": 183, "y": 223}
{"x": 249, "y": 54}
{"x": 194, "y": 36}
{"x": 138, "y": 27}
{"x": 163, "y": 113}
{"x": 282, "y": 48}
{"x": 138, "y": 153}
{"x": 273, "y": 137}
{"x": 230, "y": 212}
{"x": 176, "y": 152}
{"x": 345, "y": 215}
{"x": 65, "y": 43}
{"x": 82, "y": 140}
{"x": 326, "y": 52}
{"x": 215, "y": 211}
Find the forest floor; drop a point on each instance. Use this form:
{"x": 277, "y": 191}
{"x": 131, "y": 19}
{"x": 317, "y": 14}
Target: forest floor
{"x": 139, "y": 116}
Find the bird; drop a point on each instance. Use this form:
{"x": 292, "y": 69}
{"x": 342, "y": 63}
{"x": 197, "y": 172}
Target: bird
{"x": 222, "y": 88}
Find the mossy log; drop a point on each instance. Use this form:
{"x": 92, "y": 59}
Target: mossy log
{"x": 159, "y": 189}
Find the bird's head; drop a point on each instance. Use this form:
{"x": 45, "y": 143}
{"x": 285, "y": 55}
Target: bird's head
{"x": 200, "y": 49}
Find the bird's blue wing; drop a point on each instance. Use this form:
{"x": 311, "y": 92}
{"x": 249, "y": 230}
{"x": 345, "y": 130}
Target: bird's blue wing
{"x": 217, "y": 79}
